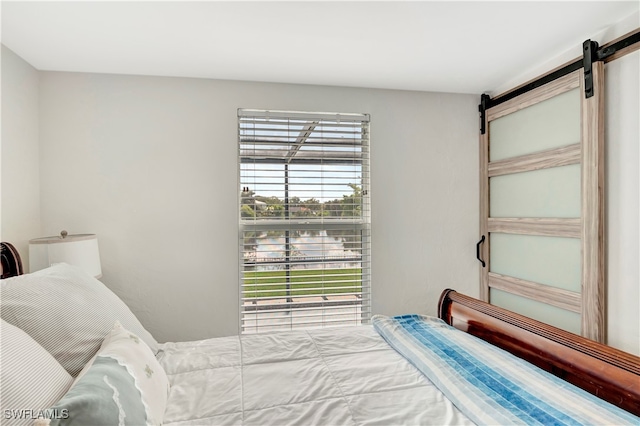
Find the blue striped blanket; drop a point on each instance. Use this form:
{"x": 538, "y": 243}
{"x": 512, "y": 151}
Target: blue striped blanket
{"x": 489, "y": 385}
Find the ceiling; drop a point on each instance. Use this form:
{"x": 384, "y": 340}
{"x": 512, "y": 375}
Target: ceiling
{"x": 454, "y": 46}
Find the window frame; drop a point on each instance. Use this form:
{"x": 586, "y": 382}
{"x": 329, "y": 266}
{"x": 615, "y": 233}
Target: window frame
{"x": 361, "y": 224}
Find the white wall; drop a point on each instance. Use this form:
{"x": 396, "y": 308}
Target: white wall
{"x": 150, "y": 165}
{"x": 20, "y": 177}
{"x": 622, "y": 82}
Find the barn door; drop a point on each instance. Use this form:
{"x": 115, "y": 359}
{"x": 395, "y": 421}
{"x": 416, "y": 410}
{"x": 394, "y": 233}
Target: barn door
{"x": 541, "y": 205}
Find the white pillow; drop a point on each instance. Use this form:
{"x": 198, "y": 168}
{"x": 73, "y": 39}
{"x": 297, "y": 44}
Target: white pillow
{"x": 124, "y": 381}
{"x": 31, "y": 378}
{"x": 67, "y": 311}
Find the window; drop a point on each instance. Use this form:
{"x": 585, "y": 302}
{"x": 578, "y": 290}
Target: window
{"x": 304, "y": 220}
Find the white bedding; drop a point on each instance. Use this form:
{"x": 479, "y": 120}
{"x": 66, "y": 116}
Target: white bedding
{"x": 341, "y": 376}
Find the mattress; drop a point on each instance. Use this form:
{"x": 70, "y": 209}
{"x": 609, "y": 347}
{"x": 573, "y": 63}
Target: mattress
{"x": 335, "y": 376}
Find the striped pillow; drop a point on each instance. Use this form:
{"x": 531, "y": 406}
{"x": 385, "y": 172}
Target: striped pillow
{"x": 123, "y": 384}
{"x": 68, "y": 312}
{"x": 31, "y": 378}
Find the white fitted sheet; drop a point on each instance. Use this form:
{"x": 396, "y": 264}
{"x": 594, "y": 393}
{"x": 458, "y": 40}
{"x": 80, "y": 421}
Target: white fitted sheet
{"x": 338, "y": 376}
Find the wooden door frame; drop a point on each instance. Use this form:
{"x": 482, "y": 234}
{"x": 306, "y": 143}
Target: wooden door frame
{"x": 589, "y": 228}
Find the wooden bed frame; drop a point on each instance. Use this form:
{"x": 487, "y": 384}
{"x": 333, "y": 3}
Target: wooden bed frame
{"x": 609, "y": 373}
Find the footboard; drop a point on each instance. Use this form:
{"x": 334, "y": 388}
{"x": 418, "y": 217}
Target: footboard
{"x": 609, "y": 373}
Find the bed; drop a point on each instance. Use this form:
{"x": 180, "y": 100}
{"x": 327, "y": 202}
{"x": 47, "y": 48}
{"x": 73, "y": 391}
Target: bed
{"x": 73, "y": 353}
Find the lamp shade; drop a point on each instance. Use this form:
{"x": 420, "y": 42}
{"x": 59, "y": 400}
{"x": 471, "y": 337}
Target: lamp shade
{"x": 79, "y": 250}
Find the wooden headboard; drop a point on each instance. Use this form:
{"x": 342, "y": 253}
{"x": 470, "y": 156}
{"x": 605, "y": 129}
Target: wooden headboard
{"x": 10, "y": 262}
{"x": 609, "y": 373}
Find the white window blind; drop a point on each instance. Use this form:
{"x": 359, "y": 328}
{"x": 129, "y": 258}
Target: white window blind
{"x": 304, "y": 220}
